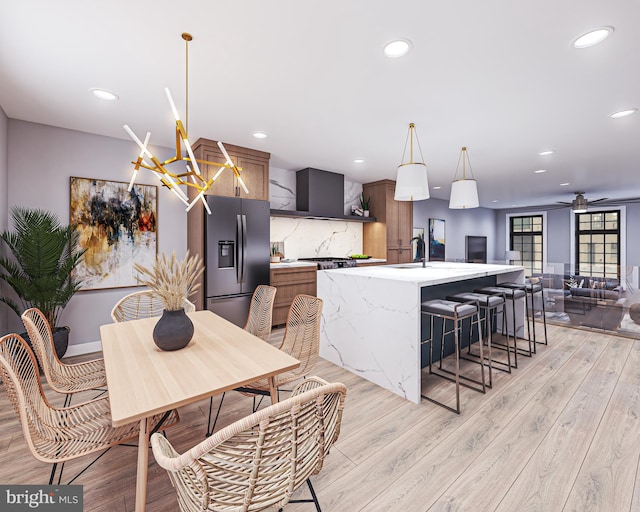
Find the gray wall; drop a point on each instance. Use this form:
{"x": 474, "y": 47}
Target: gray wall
{"x": 458, "y": 224}
{"x": 4, "y": 197}
{"x": 41, "y": 160}
{"x": 559, "y": 232}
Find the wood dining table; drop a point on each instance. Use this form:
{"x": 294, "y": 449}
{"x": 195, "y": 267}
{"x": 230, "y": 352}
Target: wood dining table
{"x": 143, "y": 380}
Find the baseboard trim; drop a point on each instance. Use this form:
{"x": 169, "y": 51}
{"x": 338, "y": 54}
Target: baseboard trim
{"x": 83, "y": 348}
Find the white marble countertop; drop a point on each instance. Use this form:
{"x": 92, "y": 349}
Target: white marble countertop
{"x": 434, "y": 273}
{"x": 297, "y": 263}
{"x": 293, "y": 264}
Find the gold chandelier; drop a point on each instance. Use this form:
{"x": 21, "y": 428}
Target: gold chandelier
{"x": 191, "y": 177}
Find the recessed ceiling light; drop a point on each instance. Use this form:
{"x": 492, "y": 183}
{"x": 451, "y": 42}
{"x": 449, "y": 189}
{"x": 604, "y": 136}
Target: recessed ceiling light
{"x": 260, "y": 135}
{"x": 623, "y": 113}
{"x": 103, "y": 94}
{"x": 494, "y": 201}
{"x": 397, "y": 48}
{"x": 592, "y": 37}
{"x": 539, "y": 171}
{"x": 565, "y": 184}
{"x": 437, "y": 188}
{"x": 547, "y": 152}
{"x": 358, "y": 161}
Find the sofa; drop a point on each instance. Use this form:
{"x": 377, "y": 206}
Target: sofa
{"x": 588, "y": 301}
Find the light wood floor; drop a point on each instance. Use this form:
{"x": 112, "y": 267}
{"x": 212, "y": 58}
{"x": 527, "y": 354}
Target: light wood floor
{"x": 561, "y": 433}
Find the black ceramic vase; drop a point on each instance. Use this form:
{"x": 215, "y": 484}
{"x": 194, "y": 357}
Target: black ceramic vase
{"x": 173, "y": 330}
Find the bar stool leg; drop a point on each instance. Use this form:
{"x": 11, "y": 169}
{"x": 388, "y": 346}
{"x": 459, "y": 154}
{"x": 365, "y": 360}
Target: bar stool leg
{"x": 505, "y": 332}
{"x": 505, "y": 329}
{"x": 544, "y": 315}
{"x": 430, "y": 343}
{"x": 528, "y": 353}
{"x": 487, "y": 325}
{"x": 532, "y": 348}
{"x": 491, "y": 319}
{"x": 456, "y": 329}
{"x": 457, "y": 363}
{"x": 480, "y": 345}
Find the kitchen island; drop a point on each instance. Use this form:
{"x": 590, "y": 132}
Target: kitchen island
{"x": 371, "y": 321}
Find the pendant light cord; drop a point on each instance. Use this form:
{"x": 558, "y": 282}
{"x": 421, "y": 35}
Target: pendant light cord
{"x": 410, "y": 136}
{"x": 464, "y": 156}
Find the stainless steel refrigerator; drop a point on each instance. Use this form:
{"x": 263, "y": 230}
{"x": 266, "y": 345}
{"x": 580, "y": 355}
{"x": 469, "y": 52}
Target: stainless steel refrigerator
{"x": 236, "y": 254}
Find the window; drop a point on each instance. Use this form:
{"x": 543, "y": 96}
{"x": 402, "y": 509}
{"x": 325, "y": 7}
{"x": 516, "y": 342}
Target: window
{"x": 526, "y": 236}
{"x": 598, "y": 244}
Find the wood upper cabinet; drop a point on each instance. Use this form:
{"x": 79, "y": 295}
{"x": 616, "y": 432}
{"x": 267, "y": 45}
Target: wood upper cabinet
{"x": 254, "y": 164}
{"x": 390, "y": 237}
{"x": 255, "y": 173}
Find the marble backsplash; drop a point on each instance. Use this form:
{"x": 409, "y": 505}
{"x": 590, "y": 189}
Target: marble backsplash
{"x": 312, "y": 238}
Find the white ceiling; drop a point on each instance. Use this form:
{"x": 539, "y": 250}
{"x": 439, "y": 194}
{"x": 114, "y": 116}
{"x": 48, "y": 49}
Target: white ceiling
{"x": 497, "y": 76}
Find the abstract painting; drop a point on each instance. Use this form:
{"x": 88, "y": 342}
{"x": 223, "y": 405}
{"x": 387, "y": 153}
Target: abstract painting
{"x": 436, "y": 240}
{"x": 116, "y": 227}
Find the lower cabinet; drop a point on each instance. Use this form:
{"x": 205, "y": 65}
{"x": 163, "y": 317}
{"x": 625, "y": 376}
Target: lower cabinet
{"x": 291, "y": 281}
{"x": 365, "y": 263}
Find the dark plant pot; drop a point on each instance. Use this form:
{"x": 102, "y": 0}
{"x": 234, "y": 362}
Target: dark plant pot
{"x": 60, "y": 340}
{"x": 173, "y": 330}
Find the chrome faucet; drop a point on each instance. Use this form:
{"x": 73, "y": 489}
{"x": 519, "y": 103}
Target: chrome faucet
{"x": 421, "y": 247}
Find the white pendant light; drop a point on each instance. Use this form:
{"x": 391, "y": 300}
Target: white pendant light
{"x": 464, "y": 192}
{"x": 411, "y": 180}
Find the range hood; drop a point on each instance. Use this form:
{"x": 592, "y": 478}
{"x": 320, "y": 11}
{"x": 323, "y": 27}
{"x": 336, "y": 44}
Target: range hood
{"x": 319, "y": 195}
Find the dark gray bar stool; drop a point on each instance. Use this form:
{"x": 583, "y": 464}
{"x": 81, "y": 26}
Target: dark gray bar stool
{"x": 491, "y": 306}
{"x": 532, "y": 288}
{"x": 455, "y": 312}
{"x": 512, "y": 295}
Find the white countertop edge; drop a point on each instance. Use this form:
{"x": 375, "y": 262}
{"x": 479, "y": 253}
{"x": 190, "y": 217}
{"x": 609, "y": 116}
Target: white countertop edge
{"x": 293, "y": 264}
{"x": 435, "y": 273}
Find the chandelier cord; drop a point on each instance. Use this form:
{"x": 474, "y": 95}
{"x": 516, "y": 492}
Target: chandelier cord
{"x": 187, "y": 37}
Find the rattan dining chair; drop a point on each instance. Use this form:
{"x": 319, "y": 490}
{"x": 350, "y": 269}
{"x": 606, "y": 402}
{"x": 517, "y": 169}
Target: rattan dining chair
{"x": 63, "y": 378}
{"x": 261, "y": 311}
{"x": 259, "y": 324}
{"x": 301, "y": 340}
{"x": 56, "y": 435}
{"x": 143, "y": 304}
{"x": 258, "y": 461}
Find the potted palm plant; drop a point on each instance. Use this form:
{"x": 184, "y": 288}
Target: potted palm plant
{"x": 37, "y": 263}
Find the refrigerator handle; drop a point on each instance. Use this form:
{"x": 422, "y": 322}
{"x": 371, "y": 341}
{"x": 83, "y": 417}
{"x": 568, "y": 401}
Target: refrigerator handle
{"x": 239, "y": 250}
{"x": 244, "y": 245}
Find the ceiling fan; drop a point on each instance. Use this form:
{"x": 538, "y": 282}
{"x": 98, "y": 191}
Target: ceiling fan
{"x": 580, "y": 203}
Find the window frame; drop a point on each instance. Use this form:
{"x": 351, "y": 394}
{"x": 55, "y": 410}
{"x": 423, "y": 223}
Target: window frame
{"x": 588, "y": 269}
{"x": 623, "y": 234}
{"x": 542, "y": 214}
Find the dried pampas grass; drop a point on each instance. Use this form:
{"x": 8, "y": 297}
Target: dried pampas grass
{"x": 172, "y": 280}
